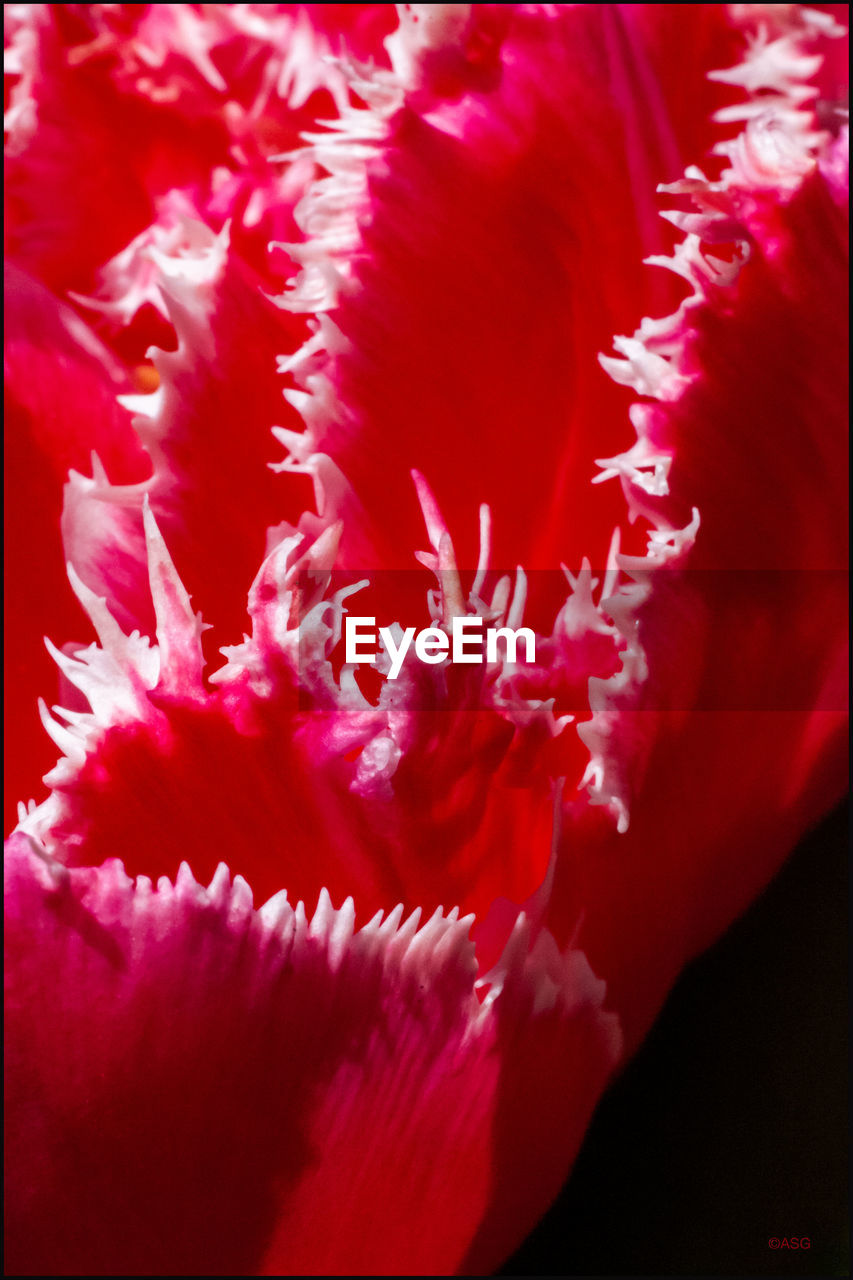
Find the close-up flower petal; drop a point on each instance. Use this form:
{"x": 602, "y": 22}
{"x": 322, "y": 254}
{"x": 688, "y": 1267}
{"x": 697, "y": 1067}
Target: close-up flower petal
{"x": 427, "y": 501}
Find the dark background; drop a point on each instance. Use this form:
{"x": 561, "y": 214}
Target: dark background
{"x": 730, "y": 1125}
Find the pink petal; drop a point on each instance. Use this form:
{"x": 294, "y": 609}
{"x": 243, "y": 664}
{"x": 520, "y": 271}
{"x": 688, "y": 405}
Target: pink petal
{"x": 736, "y": 733}
{"x": 478, "y": 246}
{"x": 60, "y": 403}
{"x": 316, "y": 1099}
{"x": 162, "y": 97}
{"x": 207, "y": 430}
{"x": 410, "y": 799}
{"x": 396, "y": 801}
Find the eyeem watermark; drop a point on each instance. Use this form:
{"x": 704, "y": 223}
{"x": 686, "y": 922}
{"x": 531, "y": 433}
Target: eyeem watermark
{"x": 386, "y": 643}
{"x": 464, "y": 643}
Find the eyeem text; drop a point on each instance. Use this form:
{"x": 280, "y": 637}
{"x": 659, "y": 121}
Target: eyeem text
{"x": 464, "y": 643}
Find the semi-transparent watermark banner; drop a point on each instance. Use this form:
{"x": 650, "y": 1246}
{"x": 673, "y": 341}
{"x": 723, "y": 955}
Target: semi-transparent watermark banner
{"x": 684, "y": 640}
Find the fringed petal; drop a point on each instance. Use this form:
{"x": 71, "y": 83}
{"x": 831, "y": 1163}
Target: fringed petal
{"x": 386, "y": 1097}
{"x": 60, "y": 387}
{"x": 733, "y": 681}
{"x": 442, "y": 785}
{"x": 317, "y": 1098}
{"x": 159, "y": 97}
{"x": 476, "y": 242}
{"x": 206, "y": 428}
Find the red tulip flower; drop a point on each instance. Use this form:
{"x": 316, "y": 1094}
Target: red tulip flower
{"x": 316, "y": 966}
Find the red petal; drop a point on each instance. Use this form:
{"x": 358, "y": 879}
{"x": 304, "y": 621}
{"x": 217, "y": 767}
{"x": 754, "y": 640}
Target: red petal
{"x": 314, "y": 1100}
{"x": 462, "y": 819}
{"x": 714, "y": 786}
{"x": 113, "y": 107}
{"x": 727, "y": 738}
{"x": 207, "y": 428}
{"x": 60, "y": 404}
{"x": 476, "y": 261}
